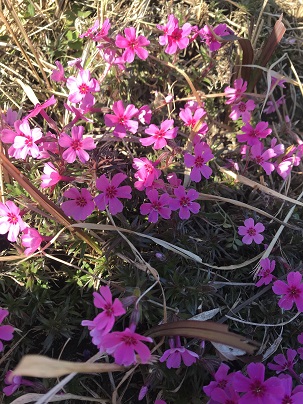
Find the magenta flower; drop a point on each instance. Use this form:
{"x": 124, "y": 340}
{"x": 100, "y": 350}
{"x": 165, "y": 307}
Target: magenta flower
{"x": 202, "y": 155}
{"x": 174, "y": 37}
{"x": 31, "y": 239}
{"x": 90, "y": 32}
{"x": 81, "y": 85}
{"x": 284, "y": 363}
{"x": 184, "y": 202}
{"x": 133, "y": 45}
{"x": 290, "y": 396}
{"x": 111, "y": 192}
{"x": 292, "y": 291}
{"x": 227, "y": 396}
{"x": 173, "y": 356}
{"x": 123, "y": 345}
{"x": 51, "y": 176}
{"x": 13, "y": 383}
{"x": 58, "y": 75}
{"x": 190, "y": 118}
{"x": 261, "y": 157}
{"x": 24, "y": 143}
{"x": 144, "y": 115}
{"x": 158, "y": 136}
{"x": 251, "y": 232}
{"x": 265, "y": 273}
{"x": 121, "y": 121}
{"x": 173, "y": 180}
{"x": 253, "y": 135}
{"x": 235, "y": 94}
{"x": 285, "y": 163}
{"x": 10, "y": 117}
{"x": 6, "y": 331}
{"x": 147, "y": 173}
{"x": 242, "y": 109}
{"x": 222, "y": 380}
{"x": 256, "y": 389}
{"x": 271, "y": 106}
{"x": 81, "y": 206}
{"x": 168, "y": 29}
{"x": 103, "y": 32}
{"x": 39, "y": 108}
{"x": 105, "y": 321}
{"x": 157, "y": 206}
{"x": 11, "y": 221}
{"x": 76, "y": 145}
{"x": 210, "y": 40}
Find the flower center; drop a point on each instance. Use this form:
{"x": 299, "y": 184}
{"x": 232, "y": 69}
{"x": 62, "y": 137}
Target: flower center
{"x": 109, "y": 310}
{"x": 177, "y": 34}
{"x": 185, "y": 201}
{"x": 128, "y": 340}
{"x": 258, "y": 389}
{"x": 199, "y": 161}
{"x": 160, "y": 134}
{"x": 294, "y": 292}
{"x": 133, "y": 44}
{"x": 148, "y": 168}
{"x": 242, "y": 107}
{"x": 251, "y": 231}
{"x": 259, "y": 159}
{"x": 111, "y": 192}
{"x": 81, "y": 202}
{"x": 29, "y": 141}
{"x": 222, "y": 384}
{"x": 156, "y": 206}
{"x": 83, "y": 88}
{"x": 76, "y": 145}
{"x": 287, "y": 400}
{"x": 12, "y": 218}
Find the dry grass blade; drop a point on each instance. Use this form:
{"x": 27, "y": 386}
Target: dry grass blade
{"x": 42, "y": 366}
{"x": 44, "y": 202}
{"x": 204, "y": 330}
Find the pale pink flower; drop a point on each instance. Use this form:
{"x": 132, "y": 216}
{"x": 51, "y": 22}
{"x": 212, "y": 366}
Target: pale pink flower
{"x": 157, "y": 206}
{"x": 173, "y": 356}
{"x": 111, "y": 192}
{"x": 81, "y": 85}
{"x": 105, "y": 321}
{"x": 251, "y": 232}
{"x": 222, "y": 380}
{"x": 253, "y": 135}
{"x": 261, "y": 157}
{"x": 144, "y": 115}
{"x": 123, "y": 345}
{"x": 184, "y": 202}
{"x": 234, "y": 94}
{"x": 31, "y": 239}
{"x": 58, "y": 75}
{"x": 242, "y": 109}
{"x": 266, "y": 272}
{"x": 51, "y": 176}
{"x": 81, "y": 205}
{"x": 133, "y": 45}
{"x": 24, "y": 143}
{"x": 202, "y": 155}
{"x": 90, "y": 33}
{"x": 285, "y": 163}
{"x": 292, "y": 291}
{"x": 210, "y": 40}
{"x": 147, "y": 173}
{"x": 103, "y": 32}
{"x": 11, "y": 221}
{"x": 158, "y": 136}
{"x": 76, "y": 145}
{"x": 190, "y": 118}
{"x": 6, "y": 331}
{"x": 284, "y": 363}
{"x": 122, "y": 121}
{"x": 256, "y": 389}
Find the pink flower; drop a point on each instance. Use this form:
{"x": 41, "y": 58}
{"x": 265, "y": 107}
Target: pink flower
{"x": 24, "y": 143}
{"x": 184, "y": 202}
{"x": 6, "y": 331}
{"x": 265, "y": 273}
{"x": 81, "y": 206}
{"x": 168, "y": 29}
{"x": 81, "y": 85}
{"x": 123, "y": 345}
{"x": 227, "y": 396}
{"x": 173, "y": 180}
{"x": 222, "y": 380}
{"x": 103, "y": 32}
{"x": 251, "y": 232}
{"x": 292, "y": 291}
{"x": 285, "y": 163}
{"x": 58, "y": 75}
{"x": 202, "y": 155}
{"x": 31, "y": 239}
{"x": 50, "y": 177}
{"x": 90, "y": 32}
{"x": 253, "y": 135}
{"x": 242, "y": 109}
{"x": 282, "y": 363}
{"x": 235, "y": 94}
{"x": 174, "y": 37}
{"x": 105, "y": 321}
{"x": 39, "y": 108}
{"x": 132, "y": 44}
{"x": 260, "y": 157}
{"x": 147, "y": 173}
{"x": 10, "y": 221}
{"x": 174, "y": 355}
{"x": 13, "y": 383}
{"x": 76, "y": 145}
{"x": 158, "y": 206}
{"x": 210, "y": 40}
{"x": 271, "y": 106}
{"x": 121, "y": 121}
{"x": 290, "y": 396}
{"x": 191, "y": 120}
{"x": 144, "y": 115}
{"x": 9, "y": 118}
{"x": 111, "y": 192}
{"x": 158, "y": 136}
{"x": 256, "y": 389}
